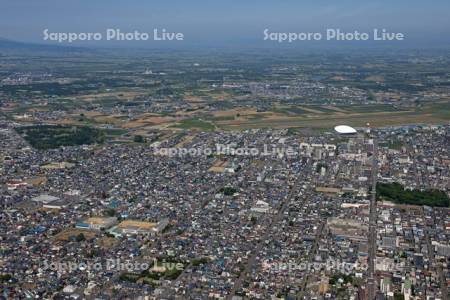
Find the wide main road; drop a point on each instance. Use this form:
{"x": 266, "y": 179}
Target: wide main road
{"x": 267, "y": 235}
{"x": 432, "y": 259}
{"x": 312, "y": 253}
{"x": 371, "y": 284}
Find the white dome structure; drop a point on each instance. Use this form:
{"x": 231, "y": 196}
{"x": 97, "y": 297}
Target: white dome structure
{"x": 345, "y": 129}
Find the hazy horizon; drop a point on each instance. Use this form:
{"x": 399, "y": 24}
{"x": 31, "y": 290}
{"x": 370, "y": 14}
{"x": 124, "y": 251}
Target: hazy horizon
{"x": 215, "y": 23}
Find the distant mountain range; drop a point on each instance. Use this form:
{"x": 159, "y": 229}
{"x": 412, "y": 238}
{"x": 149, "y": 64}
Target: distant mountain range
{"x": 7, "y": 45}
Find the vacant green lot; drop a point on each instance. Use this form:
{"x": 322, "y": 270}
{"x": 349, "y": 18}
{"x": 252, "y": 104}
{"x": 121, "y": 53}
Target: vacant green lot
{"x": 195, "y": 124}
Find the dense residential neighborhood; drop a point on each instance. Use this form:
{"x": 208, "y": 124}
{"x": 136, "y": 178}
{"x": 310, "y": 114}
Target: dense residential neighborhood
{"x": 101, "y": 221}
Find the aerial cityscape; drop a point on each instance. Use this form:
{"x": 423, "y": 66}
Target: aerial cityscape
{"x": 224, "y": 173}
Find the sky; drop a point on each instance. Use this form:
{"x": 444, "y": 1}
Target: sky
{"x": 216, "y": 23}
